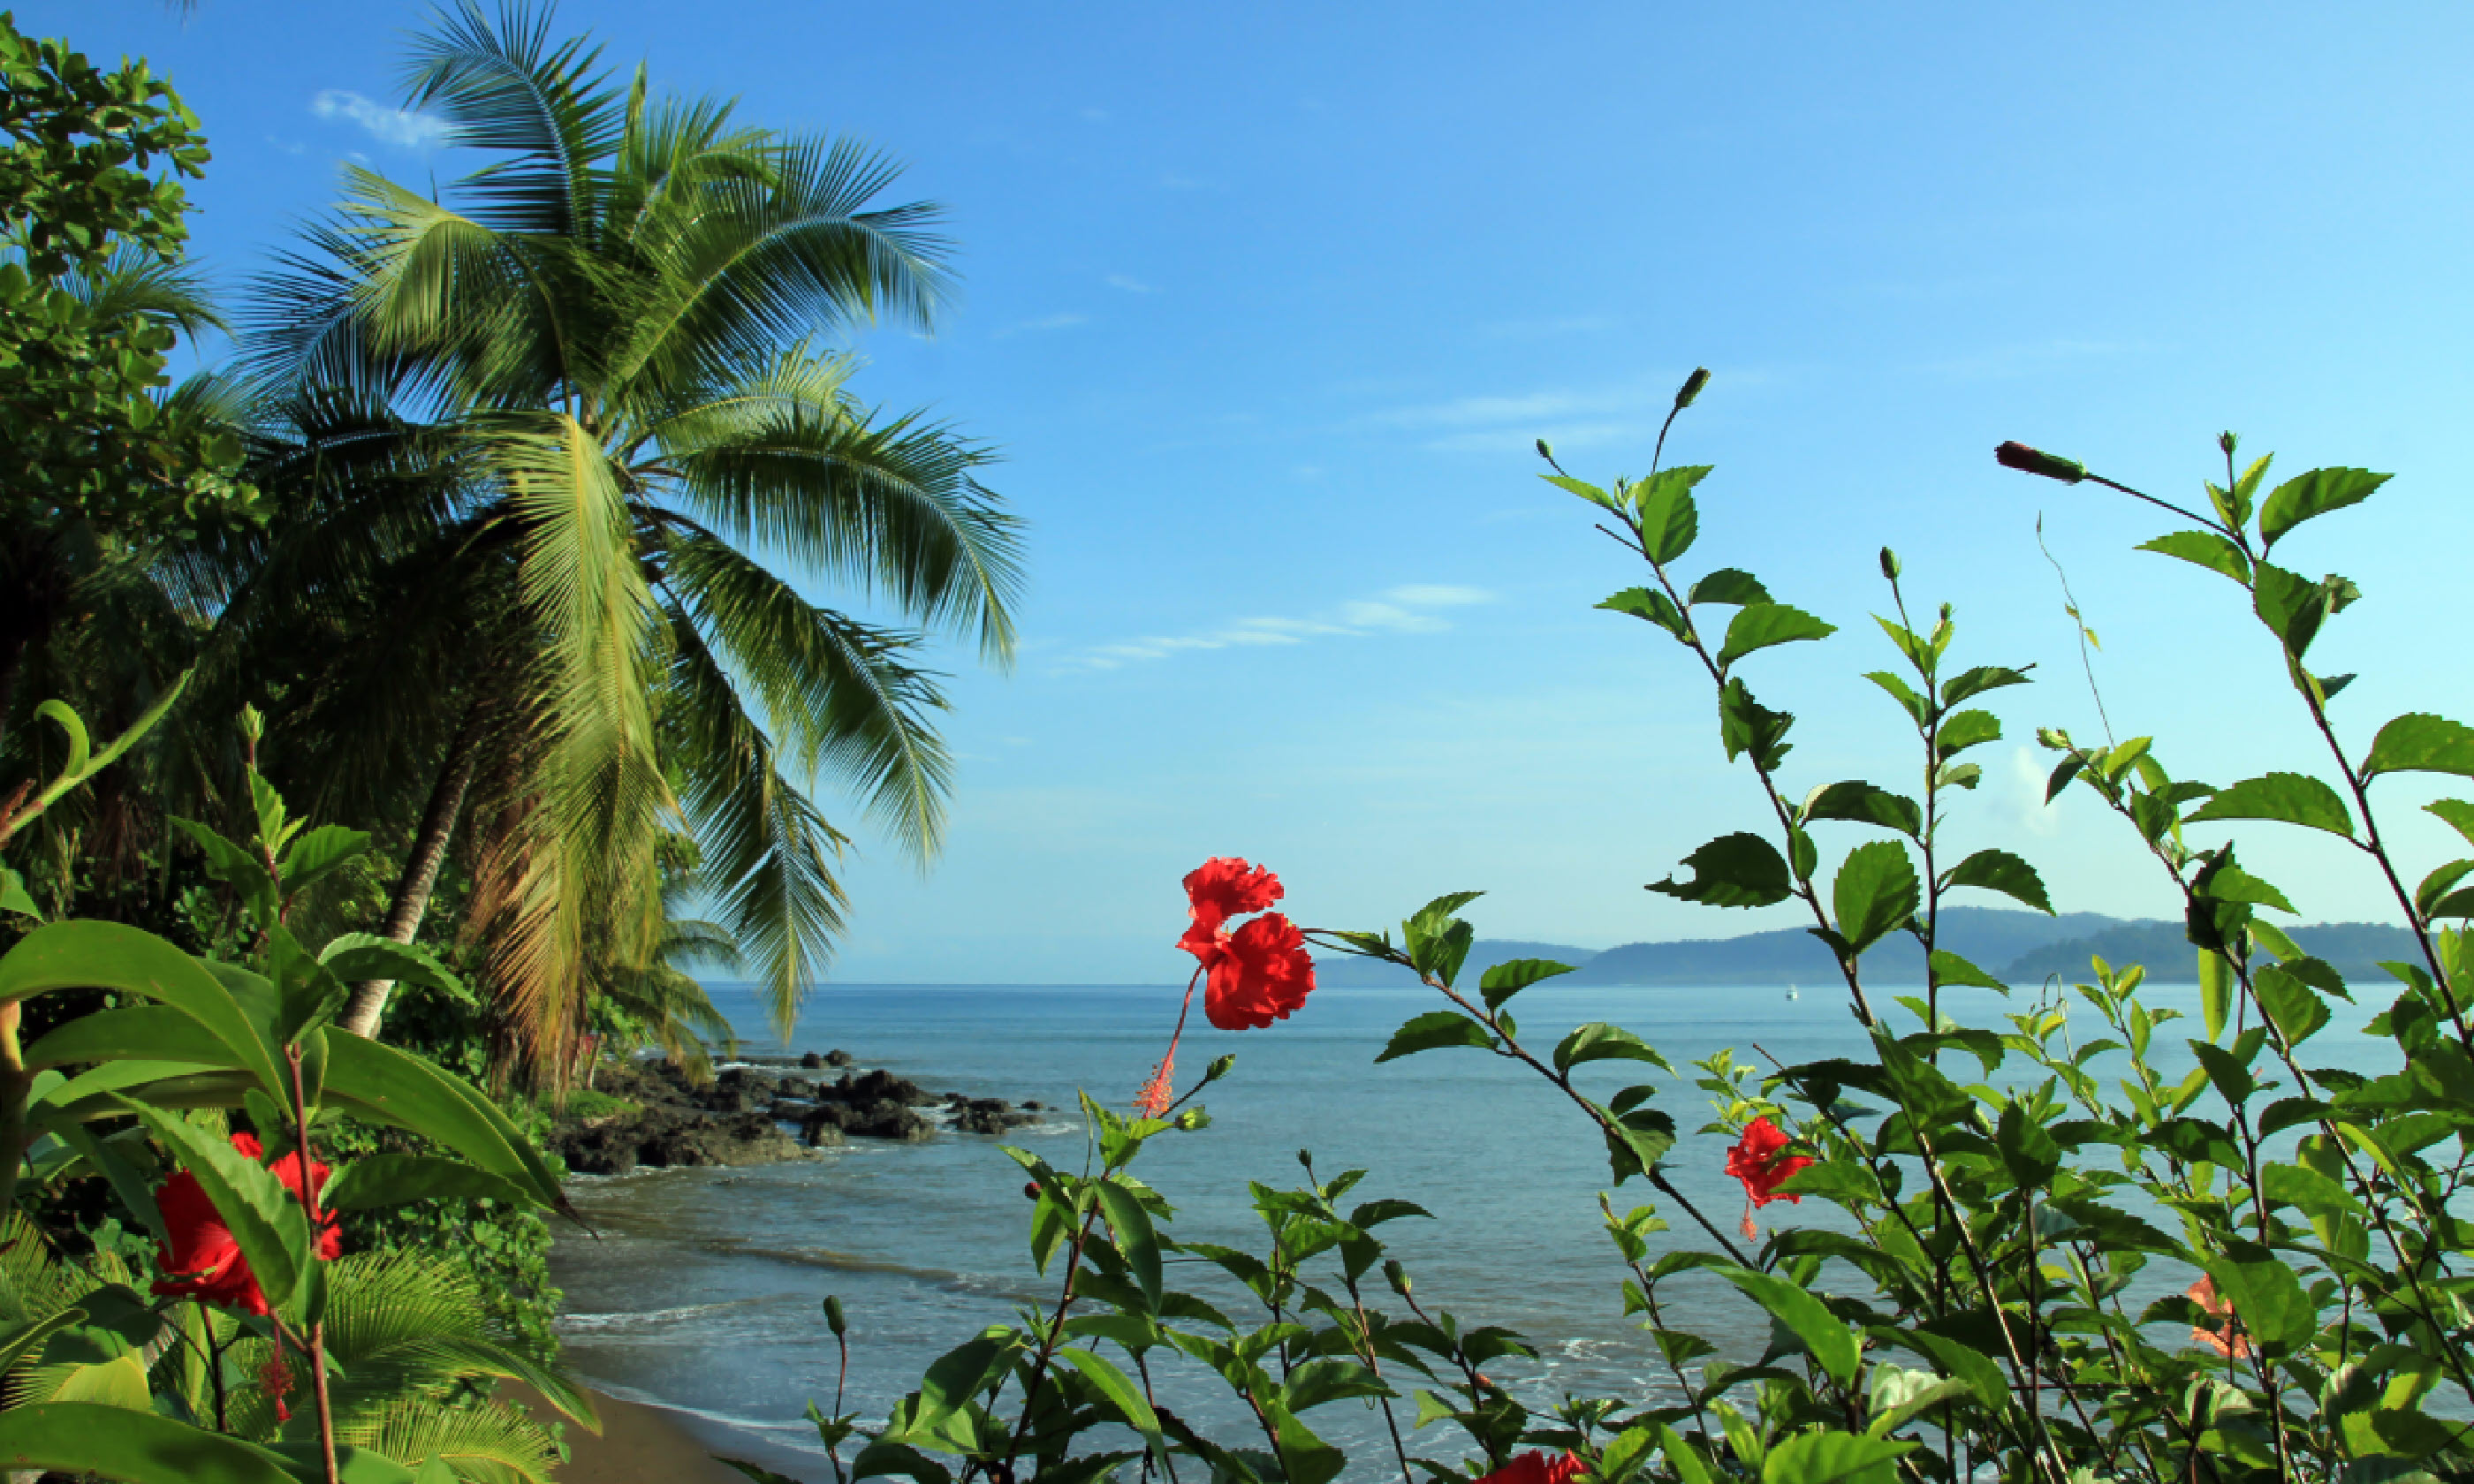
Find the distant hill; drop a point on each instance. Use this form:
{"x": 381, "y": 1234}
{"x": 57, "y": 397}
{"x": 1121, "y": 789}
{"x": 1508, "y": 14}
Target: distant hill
{"x": 1987, "y": 937}
{"x": 1365, "y": 974}
{"x": 2017, "y": 948}
{"x": 2354, "y": 948}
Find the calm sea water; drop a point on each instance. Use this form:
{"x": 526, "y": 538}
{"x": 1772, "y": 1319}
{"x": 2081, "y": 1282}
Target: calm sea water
{"x": 702, "y": 1289}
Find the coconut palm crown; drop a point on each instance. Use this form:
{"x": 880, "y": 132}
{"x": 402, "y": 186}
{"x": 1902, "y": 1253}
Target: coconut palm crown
{"x": 585, "y": 393}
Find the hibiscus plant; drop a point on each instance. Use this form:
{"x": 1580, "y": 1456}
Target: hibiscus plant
{"x": 254, "y": 1356}
{"x": 2054, "y": 1260}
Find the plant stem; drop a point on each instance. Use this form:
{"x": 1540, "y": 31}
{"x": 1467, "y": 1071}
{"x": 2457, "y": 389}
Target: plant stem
{"x": 317, "y": 1346}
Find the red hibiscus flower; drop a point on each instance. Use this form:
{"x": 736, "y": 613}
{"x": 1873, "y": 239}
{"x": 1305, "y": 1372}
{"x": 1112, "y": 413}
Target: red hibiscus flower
{"x": 1536, "y": 1467}
{"x": 1761, "y": 1161}
{"x": 204, "y": 1258}
{"x": 1259, "y": 973}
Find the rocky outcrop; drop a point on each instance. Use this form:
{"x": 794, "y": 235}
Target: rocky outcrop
{"x": 745, "y": 1115}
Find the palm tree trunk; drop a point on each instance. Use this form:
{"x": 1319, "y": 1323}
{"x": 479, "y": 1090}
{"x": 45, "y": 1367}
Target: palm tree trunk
{"x": 368, "y": 1004}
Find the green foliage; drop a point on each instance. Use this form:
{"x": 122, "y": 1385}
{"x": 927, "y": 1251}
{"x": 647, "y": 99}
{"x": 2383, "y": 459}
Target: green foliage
{"x": 2254, "y": 1270}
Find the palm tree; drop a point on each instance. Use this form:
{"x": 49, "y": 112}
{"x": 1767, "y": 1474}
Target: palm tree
{"x": 563, "y": 415}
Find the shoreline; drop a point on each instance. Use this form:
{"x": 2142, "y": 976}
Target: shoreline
{"x": 652, "y": 1442}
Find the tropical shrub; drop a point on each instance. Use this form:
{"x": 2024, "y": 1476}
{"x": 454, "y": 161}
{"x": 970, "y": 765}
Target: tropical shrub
{"x": 259, "y": 1351}
{"x": 2254, "y": 1270}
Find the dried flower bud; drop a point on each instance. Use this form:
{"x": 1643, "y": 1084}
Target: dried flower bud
{"x": 2035, "y": 461}
{"x": 833, "y": 1320}
{"x": 1691, "y": 387}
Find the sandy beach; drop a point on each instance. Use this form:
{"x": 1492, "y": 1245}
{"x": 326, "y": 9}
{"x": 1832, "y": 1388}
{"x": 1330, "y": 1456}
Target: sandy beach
{"x": 640, "y": 1444}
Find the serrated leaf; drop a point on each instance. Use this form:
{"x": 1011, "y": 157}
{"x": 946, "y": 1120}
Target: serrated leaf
{"x": 1863, "y": 804}
{"x": 2291, "y": 605}
{"x": 2418, "y": 742}
{"x": 1965, "y": 730}
{"x": 1728, "y": 585}
{"x": 1746, "y": 726}
{"x": 2000, "y": 870}
{"x": 1762, "y": 625}
{"x": 1502, "y": 981}
{"x": 1979, "y": 681}
{"x": 318, "y": 851}
{"x": 1733, "y": 870}
{"x": 1949, "y": 967}
{"x": 1582, "y": 487}
{"x": 2290, "y": 798}
{"x": 2316, "y": 493}
{"x": 2204, "y": 548}
{"x": 1648, "y": 603}
{"x": 1435, "y": 1030}
{"x": 1669, "y": 521}
{"x": 1874, "y": 894}
{"x": 1600, "y": 1042}
{"x": 1902, "y": 692}
{"x": 2459, "y": 814}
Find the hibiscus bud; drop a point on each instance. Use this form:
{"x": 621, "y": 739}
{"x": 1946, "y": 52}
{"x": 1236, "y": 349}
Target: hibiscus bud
{"x": 1396, "y": 1275}
{"x": 2226, "y": 443}
{"x": 1890, "y": 569}
{"x": 1545, "y": 450}
{"x": 1193, "y": 1118}
{"x": 1219, "y": 1067}
{"x": 833, "y": 1320}
{"x": 1305, "y": 1157}
{"x": 2035, "y": 461}
{"x": 1691, "y": 388}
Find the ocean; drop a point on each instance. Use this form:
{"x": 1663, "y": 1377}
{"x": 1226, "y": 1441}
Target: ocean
{"x": 701, "y": 1288}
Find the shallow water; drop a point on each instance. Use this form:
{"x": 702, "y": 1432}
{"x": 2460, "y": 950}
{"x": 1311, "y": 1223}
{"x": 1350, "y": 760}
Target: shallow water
{"x": 703, "y": 1288}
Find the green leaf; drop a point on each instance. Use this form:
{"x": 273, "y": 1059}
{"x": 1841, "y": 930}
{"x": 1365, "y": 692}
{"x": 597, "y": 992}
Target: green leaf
{"x": 1136, "y": 1241}
{"x": 1652, "y": 604}
{"x": 1669, "y": 521}
{"x": 318, "y": 851}
{"x": 2066, "y": 769}
{"x": 1436, "y": 1029}
{"x": 2229, "y": 882}
{"x": 1599, "y": 1042}
{"x": 2206, "y": 549}
{"x": 2026, "y": 1150}
{"x": 1865, "y": 805}
{"x": 1832, "y": 1343}
{"x": 2459, "y": 814}
{"x": 1502, "y": 981}
{"x": 1828, "y": 1457}
{"x": 1949, "y": 967}
{"x": 1122, "y": 1394}
{"x": 2291, "y": 798}
{"x": 377, "y": 1180}
{"x": 270, "y": 1227}
{"x": 2315, "y": 493}
{"x": 2216, "y": 992}
{"x": 1875, "y": 893}
{"x": 1762, "y": 625}
{"x": 2418, "y": 742}
{"x": 376, "y": 1081}
{"x": 1962, "y": 1362}
{"x": 136, "y": 1448}
{"x": 1582, "y": 487}
{"x": 368, "y": 956}
{"x": 1733, "y": 870}
{"x": 99, "y": 955}
{"x": 2268, "y": 1299}
{"x": 1965, "y": 730}
{"x": 2000, "y": 870}
{"x": 2291, "y": 605}
{"x": 1898, "y": 690}
{"x": 1746, "y": 726}
{"x": 2289, "y": 1001}
{"x": 1727, "y": 585}
{"x": 234, "y": 865}
{"x": 1979, "y": 681}
{"x": 960, "y": 1375}
{"x": 14, "y": 897}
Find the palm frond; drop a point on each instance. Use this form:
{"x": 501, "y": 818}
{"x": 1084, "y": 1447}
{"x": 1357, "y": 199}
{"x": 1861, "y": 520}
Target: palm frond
{"x": 506, "y": 86}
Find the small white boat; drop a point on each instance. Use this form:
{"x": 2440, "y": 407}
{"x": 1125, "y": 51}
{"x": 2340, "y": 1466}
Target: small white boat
{"x": 1791, "y": 992}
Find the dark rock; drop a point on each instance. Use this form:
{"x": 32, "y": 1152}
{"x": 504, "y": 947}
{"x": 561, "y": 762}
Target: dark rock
{"x": 988, "y": 1116}
{"x": 886, "y": 1120}
{"x": 838, "y": 1058}
{"x": 1030, "y": 1105}
{"x": 812, "y": 1061}
{"x": 796, "y": 1086}
{"x": 880, "y": 1084}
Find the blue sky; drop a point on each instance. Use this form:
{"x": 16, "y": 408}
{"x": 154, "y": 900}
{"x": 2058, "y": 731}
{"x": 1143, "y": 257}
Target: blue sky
{"x": 1264, "y": 305}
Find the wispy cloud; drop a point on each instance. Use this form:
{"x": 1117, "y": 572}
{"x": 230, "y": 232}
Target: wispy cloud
{"x": 1501, "y": 424}
{"x": 1050, "y": 322}
{"x": 1130, "y": 285}
{"x": 1416, "y": 607}
{"x": 398, "y": 126}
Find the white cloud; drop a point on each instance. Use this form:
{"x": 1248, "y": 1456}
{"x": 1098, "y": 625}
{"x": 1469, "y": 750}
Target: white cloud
{"x": 397, "y": 127}
{"x": 2028, "y": 794}
{"x": 1568, "y": 419}
{"x": 1409, "y": 608}
{"x": 1130, "y": 285}
{"x": 1050, "y": 322}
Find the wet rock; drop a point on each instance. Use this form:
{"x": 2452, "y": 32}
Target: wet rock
{"x": 988, "y": 1116}
{"x": 812, "y": 1061}
{"x": 838, "y": 1058}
